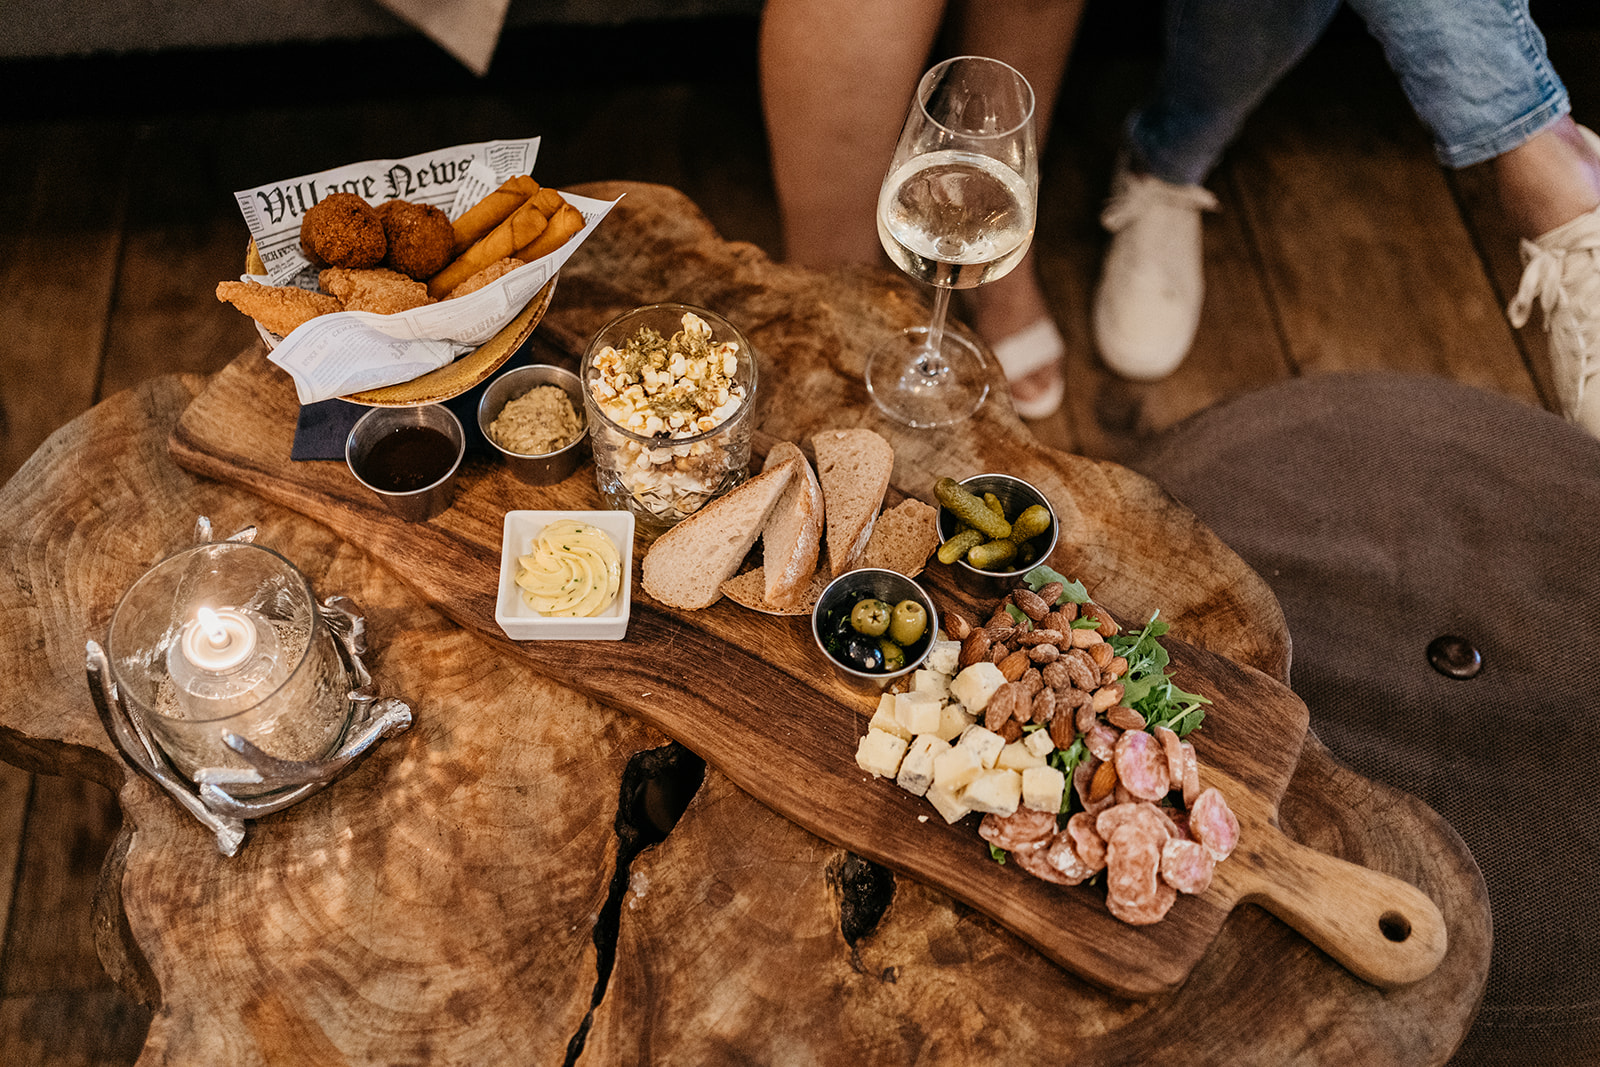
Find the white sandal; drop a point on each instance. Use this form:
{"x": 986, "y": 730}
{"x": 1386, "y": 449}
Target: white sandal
{"x": 1033, "y": 349}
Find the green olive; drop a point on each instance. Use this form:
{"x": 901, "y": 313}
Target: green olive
{"x": 894, "y": 657}
{"x": 910, "y": 622}
{"x": 870, "y": 617}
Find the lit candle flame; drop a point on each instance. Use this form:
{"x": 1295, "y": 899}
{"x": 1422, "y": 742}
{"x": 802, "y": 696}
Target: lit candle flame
{"x": 216, "y": 633}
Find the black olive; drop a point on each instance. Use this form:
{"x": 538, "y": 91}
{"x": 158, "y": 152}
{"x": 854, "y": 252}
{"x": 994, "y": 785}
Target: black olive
{"x": 861, "y": 653}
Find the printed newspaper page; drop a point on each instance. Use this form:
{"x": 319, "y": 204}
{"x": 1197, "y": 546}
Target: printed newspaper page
{"x": 350, "y": 351}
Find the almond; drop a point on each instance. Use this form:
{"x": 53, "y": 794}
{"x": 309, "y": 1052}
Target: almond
{"x": 1014, "y": 664}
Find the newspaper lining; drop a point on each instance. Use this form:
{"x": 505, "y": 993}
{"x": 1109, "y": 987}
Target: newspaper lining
{"x": 351, "y": 351}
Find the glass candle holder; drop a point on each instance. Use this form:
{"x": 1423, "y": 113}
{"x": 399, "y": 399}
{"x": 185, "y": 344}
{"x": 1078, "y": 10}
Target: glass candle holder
{"x": 227, "y": 637}
{"x": 669, "y": 434}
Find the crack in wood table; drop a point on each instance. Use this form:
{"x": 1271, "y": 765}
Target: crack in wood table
{"x": 465, "y": 896}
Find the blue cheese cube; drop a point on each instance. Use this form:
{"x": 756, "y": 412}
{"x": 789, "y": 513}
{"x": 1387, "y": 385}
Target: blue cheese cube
{"x": 976, "y": 684}
{"x": 883, "y": 719}
{"x": 955, "y": 767}
{"x": 1043, "y": 788}
{"x": 953, "y": 719}
{"x": 947, "y": 803}
{"x": 931, "y": 682}
{"x": 879, "y": 753}
{"x": 985, "y": 744}
{"x": 945, "y": 657}
{"x": 997, "y": 792}
{"x": 917, "y": 712}
{"x": 916, "y": 770}
{"x": 1016, "y": 756}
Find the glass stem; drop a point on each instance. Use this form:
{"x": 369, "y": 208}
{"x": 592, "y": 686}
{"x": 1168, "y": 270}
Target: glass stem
{"x": 941, "y": 308}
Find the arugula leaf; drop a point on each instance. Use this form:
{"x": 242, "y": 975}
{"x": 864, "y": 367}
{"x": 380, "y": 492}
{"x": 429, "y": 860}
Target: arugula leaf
{"x": 1042, "y": 576}
{"x": 997, "y": 853}
{"x": 1148, "y": 688}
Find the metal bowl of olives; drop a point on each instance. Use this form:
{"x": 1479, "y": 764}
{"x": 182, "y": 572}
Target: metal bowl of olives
{"x": 1015, "y": 497}
{"x": 874, "y": 626}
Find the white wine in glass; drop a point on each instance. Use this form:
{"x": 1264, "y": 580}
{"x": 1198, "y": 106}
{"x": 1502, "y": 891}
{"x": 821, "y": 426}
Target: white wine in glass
{"x": 955, "y": 211}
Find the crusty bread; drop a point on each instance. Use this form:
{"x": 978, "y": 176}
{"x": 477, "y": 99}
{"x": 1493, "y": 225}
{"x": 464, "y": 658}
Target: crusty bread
{"x": 793, "y": 535}
{"x": 903, "y": 538}
{"x": 749, "y": 590}
{"x": 854, "y": 468}
{"x": 687, "y": 565}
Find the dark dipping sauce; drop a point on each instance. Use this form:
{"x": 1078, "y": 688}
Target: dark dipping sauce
{"x": 407, "y": 459}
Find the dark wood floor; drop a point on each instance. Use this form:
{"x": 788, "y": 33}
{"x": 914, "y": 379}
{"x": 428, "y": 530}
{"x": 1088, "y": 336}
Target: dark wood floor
{"x": 1342, "y": 246}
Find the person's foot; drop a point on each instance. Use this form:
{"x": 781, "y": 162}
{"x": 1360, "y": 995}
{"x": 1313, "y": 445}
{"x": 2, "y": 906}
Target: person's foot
{"x": 1147, "y": 305}
{"x": 1012, "y": 315}
{"x": 1561, "y": 270}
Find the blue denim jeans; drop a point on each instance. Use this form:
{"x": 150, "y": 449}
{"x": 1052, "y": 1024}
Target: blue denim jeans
{"x": 1476, "y": 73}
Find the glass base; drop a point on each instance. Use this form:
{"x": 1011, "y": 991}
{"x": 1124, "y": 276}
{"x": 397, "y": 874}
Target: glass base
{"x": 913, "y": 385}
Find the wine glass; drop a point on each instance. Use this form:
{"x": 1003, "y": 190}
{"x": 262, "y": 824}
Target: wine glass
{"x": 955, "y": 210}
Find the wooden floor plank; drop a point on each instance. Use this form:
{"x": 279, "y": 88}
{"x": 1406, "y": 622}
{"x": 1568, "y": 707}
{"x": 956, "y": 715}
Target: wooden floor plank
{"x": 1366, "y": 257}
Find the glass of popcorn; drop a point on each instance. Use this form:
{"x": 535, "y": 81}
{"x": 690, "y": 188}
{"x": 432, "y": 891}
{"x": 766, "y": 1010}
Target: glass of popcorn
{"x": 668, "y": 389}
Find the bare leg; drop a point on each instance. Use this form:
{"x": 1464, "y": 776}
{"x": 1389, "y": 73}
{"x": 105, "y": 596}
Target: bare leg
{"x": 1036, "y": 37}
{"x": 1548, "y": 180}
{"x": 835, "y": 79}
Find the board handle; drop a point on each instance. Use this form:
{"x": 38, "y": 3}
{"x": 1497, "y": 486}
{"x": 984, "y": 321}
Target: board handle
{"x": 1379, "y": 928}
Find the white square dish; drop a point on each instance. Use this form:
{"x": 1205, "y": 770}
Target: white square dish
{"x": 522, "y": 623}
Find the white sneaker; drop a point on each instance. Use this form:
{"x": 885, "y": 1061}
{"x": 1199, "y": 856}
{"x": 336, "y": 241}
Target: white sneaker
{"x": 1561, "y": 269}
{"x": 1147, "y": 305}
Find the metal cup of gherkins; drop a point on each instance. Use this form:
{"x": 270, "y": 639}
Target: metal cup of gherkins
{"x": 993, "y": 529}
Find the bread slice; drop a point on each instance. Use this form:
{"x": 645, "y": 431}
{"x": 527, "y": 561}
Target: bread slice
{"x": 687, "y": 565}
{"x": 903, "y": 538}
{"x": 793, "y": 535}
{"x": 749, "y": 590}
{"x": 854, "y": 468}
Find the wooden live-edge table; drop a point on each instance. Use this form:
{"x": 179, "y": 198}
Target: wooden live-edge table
{"x": 440, "y": 903}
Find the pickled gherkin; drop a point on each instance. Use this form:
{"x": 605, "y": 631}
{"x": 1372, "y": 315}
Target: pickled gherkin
{"x": 970, "y": 509}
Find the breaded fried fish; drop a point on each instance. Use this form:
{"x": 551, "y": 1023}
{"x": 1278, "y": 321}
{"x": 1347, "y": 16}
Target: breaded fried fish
{"x": 279, "y": 308}
{"x": 493, "y": 272}
{"x": 378, "y": 290}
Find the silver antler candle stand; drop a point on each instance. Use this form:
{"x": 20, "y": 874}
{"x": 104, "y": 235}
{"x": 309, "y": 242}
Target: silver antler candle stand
{"x": 221, "y": 669}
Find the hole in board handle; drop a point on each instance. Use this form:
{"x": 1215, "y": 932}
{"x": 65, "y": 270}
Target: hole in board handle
{"x": 1394, "y": 926}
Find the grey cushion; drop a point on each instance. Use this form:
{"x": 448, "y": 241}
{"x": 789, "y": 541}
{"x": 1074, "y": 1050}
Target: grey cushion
{"x": 1385, "y": 512}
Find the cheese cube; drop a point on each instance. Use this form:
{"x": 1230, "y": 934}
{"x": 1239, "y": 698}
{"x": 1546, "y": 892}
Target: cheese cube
{"x": 994, "y": 791}
{"x": 1016, "y": 757}
{"x": 916, "y": 770}
{"x": 1043, "y": 788}
{"x": 880, "y": 753}
{"x": 985, "y": 744}
{"x": 955, "y": 767}
{"x": 917, "y": 712}
{"x": 945, "y": 657}
{"x": 953, "y": 719}
{"x": 975, "y": 685}
{"x": 947, "y": 803}
{"x": 931, "y": 682}
{"x": 883, "y": 719}
{"x": 1039, "y": 743}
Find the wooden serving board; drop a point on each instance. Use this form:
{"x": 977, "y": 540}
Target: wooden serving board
{"x": 751, "y": 694}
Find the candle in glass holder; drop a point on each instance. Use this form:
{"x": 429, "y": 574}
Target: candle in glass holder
{"x": 224, "y": 661}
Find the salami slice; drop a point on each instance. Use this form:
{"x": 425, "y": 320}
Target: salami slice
{"x": 1032, "y": 859}
{"x": 1144, "y": 914}
{"x": 1141, "y": 765}
{"x": 1213, "y": 824}
{"x": 1133, "y": 865}
{"x": 1102, "y": 741}
{"x": 1172, "y": 747}
{"x": 1191, "y": 775}
{"x": 1142, "y": 813}
{"x": 1021, "y": 830}
{"x": 1062, "y": 854}
{"x": 1186, "y": 866}
{"x": 1086, "y": 839}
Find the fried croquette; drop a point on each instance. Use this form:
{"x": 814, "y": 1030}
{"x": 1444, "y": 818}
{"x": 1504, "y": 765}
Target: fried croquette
{"x": 493, "y": 272}
{"x": 342, "y": 230}
{"x": 421, "y": 239}
{"x": 378, "y": 290}
{"x": 279, "y": 308}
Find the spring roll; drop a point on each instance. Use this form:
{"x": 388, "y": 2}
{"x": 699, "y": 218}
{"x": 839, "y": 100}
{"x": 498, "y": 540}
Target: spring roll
{"x": 522, "y": 227}
{"x": 491, "y": 211}
{"x": 567, "y": 221}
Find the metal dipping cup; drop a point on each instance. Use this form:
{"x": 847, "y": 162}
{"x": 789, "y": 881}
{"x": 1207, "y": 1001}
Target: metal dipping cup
{"x": 535, "y": 469}
{"x": 891, "y": 587}
{"x": 1015, "y": 496}
{"x": 381, "y": 425}
{"x": 664, "y": 479}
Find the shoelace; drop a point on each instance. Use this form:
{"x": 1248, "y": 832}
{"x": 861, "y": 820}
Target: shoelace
{"x": 1137, "y": 195}
{"x": 1545, "y": 278}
